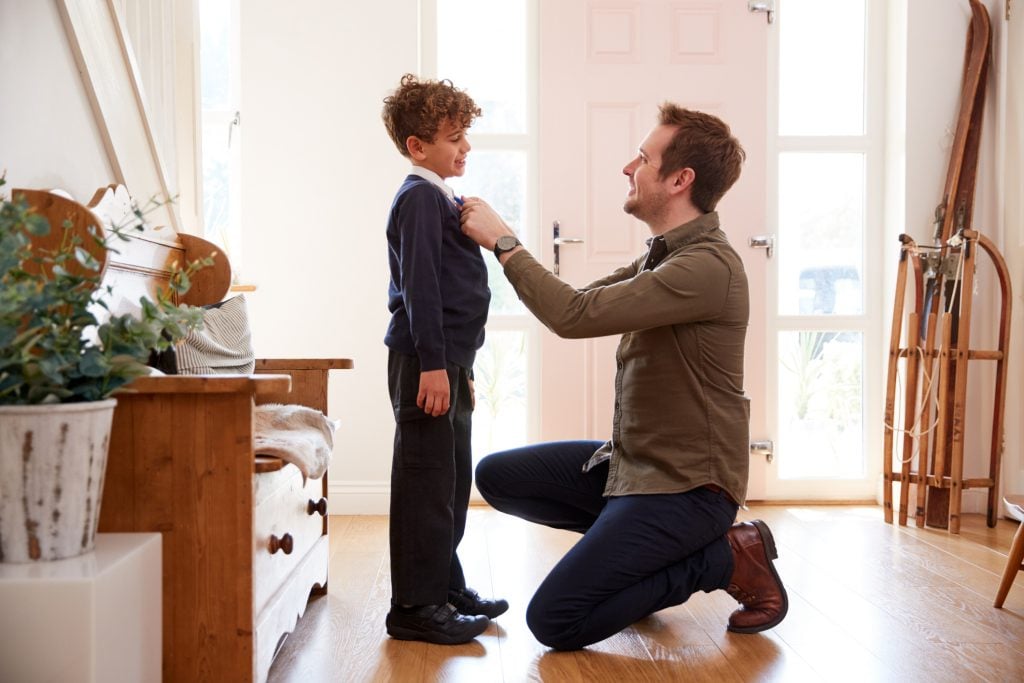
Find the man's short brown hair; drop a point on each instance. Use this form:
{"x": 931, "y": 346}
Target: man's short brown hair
{"x": 418, "y": 108}
{"x": 704, "y": 143}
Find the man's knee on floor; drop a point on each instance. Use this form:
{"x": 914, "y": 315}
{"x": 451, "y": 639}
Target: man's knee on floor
{"x": 558, "y": 634}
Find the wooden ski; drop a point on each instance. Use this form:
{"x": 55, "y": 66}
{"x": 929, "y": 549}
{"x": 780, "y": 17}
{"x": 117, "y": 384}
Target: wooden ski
{"x": 957, "y": 212}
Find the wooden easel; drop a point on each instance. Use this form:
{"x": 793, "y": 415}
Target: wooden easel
{"x": 936, "y": 350}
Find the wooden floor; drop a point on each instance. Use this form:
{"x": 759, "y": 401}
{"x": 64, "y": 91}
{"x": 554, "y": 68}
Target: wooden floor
{"x": 868, "y": 602}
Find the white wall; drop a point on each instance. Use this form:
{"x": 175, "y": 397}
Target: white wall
{"x": 319, "y": 173}
{"x": 1013, "y": 216}
{"x": 48, "y": 135}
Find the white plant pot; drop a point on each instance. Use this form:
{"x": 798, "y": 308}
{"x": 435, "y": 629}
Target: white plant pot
{"x": 52, "y": 461}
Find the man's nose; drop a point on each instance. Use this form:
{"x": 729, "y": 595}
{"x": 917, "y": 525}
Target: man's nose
{"x": 629, "y": 168}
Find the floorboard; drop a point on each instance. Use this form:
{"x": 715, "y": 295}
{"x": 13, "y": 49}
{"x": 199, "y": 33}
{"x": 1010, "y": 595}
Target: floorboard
{"x": 868, "y": 602}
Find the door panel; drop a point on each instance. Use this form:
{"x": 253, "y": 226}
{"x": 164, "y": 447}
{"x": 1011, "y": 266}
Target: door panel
{"x": 605, "y": 66}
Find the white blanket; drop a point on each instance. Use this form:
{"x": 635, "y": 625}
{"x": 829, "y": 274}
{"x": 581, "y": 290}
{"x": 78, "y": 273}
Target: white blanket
{"x": 296, "y": 434}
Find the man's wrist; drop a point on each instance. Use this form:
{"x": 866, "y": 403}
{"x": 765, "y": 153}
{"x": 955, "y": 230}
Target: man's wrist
{"x": 505, "y": 244}
{"x": 505, "y": 256}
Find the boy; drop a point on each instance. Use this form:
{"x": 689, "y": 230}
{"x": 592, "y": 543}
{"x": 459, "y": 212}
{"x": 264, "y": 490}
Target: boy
{"x": 438, "y": 299}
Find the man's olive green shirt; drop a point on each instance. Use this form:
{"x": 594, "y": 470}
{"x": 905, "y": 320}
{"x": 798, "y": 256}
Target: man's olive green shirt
{"x": 681, "y": 417}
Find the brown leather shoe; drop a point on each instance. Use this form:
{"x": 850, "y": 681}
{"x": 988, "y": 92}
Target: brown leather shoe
{"x": 755, "y": 583}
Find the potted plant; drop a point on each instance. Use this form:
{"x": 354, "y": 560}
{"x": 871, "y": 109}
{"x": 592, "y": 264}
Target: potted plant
{"x": 61, "y": 358}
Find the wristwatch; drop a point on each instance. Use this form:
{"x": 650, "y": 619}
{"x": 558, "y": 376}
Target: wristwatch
{"x": 506, "y": 243}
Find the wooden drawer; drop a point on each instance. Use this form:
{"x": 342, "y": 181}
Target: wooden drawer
{"x": 287, "y": 606}
{"x": 282, "y": 512}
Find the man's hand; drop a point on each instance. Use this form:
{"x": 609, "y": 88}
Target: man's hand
{"x": 434, "y": 396}
{"x": 482, "y": 224}
{"x": 472, "y": 395}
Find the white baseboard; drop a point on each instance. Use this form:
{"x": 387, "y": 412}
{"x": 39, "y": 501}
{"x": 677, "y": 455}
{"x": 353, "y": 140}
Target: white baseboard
{"x": 359, "y": 497}
{"x": 976, "y": 501}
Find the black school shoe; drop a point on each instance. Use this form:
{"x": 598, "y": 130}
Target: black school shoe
{"x": 467, "y": 601}
{"x": 441, "y": 624}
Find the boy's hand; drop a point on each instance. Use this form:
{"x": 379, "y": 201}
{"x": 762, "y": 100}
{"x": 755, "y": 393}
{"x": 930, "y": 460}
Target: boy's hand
{"x": 482, "y": 224}
{"x": 434, "y": 396}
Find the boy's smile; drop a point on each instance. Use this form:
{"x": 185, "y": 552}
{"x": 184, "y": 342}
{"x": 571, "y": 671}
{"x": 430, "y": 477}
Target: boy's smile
{"x": 446, "y": 155}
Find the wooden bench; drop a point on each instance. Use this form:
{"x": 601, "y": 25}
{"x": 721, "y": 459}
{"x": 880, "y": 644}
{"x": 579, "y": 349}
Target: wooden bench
{"x": 244, "y": 537}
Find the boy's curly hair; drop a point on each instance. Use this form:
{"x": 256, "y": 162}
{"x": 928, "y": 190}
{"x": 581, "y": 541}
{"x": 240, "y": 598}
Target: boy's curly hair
{"x": 420, "y": 107}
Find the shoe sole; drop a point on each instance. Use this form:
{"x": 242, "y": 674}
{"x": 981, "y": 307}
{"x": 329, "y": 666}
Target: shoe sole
{"x": 772, "y": 553}
{"x": 400, "y": 633}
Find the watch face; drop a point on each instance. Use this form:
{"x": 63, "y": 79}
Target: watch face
{"x": 506, "y": 242}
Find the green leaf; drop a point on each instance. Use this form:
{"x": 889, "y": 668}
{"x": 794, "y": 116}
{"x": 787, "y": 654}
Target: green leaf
{"x": 37, "y": 225}
{"x": 93, "y": 364}
{"x": 86, "y": 259}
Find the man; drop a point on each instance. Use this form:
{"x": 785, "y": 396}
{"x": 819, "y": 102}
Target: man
{"x": 656, "y": 503}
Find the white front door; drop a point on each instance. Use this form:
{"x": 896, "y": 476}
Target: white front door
{"x": 605, "y": 66}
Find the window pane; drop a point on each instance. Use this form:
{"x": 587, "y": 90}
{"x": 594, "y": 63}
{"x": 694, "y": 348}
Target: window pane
{"x": 821, "y": 67}
{"x": 482, "y": 49}
{"x": 214, "y": 45}
{"x": 216, "y": 181}
{"x": 820, "y": 405}
{"x": 499, "y": 421}
{"x": 821, "y": 229}
{"x": 500, "y": 179}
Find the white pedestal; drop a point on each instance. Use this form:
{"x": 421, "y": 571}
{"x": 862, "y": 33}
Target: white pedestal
{"x": 93, "y": 618}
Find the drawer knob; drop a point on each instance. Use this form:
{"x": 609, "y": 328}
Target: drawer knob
{"x": 284, "y": 544}
{"x": 317, "y": 506}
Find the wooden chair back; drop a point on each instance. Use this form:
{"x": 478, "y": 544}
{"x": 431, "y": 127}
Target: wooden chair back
{"x": 140, "y": 265}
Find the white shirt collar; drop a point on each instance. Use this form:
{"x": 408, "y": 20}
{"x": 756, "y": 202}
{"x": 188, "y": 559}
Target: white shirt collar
{"x": 437, "y": 180}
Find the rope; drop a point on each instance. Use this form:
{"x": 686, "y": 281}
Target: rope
{"x": 915, "y": 431}
{"x": 930, "y": 400}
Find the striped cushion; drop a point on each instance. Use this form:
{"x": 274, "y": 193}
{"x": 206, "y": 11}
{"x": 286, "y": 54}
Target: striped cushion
{"x": 224, "y": 345}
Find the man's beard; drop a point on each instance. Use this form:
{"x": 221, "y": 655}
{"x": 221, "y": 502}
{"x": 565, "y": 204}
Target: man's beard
{"x": 647, "y": 210}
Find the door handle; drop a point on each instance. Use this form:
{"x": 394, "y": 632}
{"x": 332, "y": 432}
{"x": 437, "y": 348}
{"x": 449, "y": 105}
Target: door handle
{"x": 766, "y": 242}
{"x": 767, "y": 6}
{"x": 557, "y": 241}
{"x": 765, "y": 448}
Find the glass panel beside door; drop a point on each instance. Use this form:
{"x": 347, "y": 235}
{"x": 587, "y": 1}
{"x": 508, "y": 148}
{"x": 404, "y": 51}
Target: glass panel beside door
{"x": 821, "y": 233}
{"x": 820, "y": 404}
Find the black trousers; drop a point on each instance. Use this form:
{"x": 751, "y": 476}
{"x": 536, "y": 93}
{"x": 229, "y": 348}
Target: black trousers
{"x": 638, "y": 553}
{"x": 431, "y": 475}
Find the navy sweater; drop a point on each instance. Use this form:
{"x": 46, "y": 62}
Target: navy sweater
{"x": 438, "y": 296}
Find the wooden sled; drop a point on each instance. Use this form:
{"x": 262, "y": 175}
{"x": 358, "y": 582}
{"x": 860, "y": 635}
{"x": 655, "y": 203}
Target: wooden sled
{"x": 937, "y": 347}
{"x": 940, "y": 461}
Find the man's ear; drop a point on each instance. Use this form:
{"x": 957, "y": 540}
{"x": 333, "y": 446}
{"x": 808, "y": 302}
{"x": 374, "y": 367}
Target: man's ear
{"x": 414, "y": 146}
{"x": 681, "y": 180}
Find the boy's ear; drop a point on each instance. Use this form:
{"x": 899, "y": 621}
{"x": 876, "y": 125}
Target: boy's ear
{"x": 415, "y": 148}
